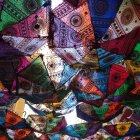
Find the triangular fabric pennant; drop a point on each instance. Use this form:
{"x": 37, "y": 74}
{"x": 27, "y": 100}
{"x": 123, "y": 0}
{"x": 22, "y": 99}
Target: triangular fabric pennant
{"x": 90, "y": 60}
{"x": 85, "y": 112}
{"x": 101, "y": 111}
{"x": 78, "y": 19}
{"x": 40, "y": 109}
{"x": 71, "y": 55}
{"x": 67, "y": 74}
{"x": 11, "y": 119}
{"x": 121, "y": 129}
{"x": 123, "y": 90}
{"x": 102, "y": 15}
{"x": 111, "y": 130}
{"x": 106, "y": 58}
{"x": 68, "y": 101}
{"x": 127, "y": 112}
{"x": 82, "y": 130}
{"x": 114, "y": 110}
{"x": 55, "y": 125}
{"x": 37, "y": 122}
{"x": 53, "y": 63}
{"x": 66, "y": 37}
{"x": 117, "y": 76}
{"x": 32, "y": 92}
{"x": 37, "y": 73}
{"x": 67, "y": 105}
{"x": 69, "y": 130}
{"x": 87, "y": 98}
{"x": 55, "y": 137}
{"x": 25, "y": 46}
{"x": 21, "y": 133}
{"x": 100, "y": 79}
{"x": 83, "y": 83}
{"x": 127, "y": 18}
{"x": 77, "y": 130}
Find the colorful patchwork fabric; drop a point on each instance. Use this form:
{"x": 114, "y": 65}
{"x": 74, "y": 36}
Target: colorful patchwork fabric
{"x": 69, "y": 69}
